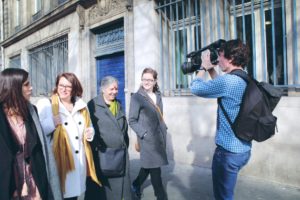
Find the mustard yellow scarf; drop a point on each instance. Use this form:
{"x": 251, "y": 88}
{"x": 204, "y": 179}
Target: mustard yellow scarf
{"x": 62, "y": 150}
{"x": 113, "y": 107}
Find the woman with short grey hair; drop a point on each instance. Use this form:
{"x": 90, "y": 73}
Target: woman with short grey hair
{"x": 107, "y": 81}
{"x": 111, "y": 127}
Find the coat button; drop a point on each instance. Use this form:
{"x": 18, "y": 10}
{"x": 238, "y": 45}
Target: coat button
{"x": 66, "y": 123}
{"x": 79, "y": 123}
{"x": 76, "y": 151}
{"x": 76, "y": 137}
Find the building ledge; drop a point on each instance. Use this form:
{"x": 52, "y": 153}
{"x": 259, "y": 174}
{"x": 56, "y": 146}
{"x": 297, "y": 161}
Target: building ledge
{"x": 50, "y": 17}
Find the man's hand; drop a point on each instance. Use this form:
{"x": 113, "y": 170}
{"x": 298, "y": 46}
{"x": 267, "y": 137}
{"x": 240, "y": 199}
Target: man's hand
{"x": 205, "y": 57}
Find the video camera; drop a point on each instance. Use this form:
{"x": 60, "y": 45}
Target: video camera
{"x": 194, "y": 58}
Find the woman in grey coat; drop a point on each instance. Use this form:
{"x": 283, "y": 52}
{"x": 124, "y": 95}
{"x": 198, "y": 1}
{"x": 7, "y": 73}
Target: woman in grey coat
{"x": 146, "y": 119}
{"x": 111, "y": 127}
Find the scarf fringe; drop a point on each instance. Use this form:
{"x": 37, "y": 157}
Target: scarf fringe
{"x": 61, "y": 147}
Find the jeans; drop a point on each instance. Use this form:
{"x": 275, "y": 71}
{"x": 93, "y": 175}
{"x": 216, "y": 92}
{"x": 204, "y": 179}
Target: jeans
{"x": 225, "y": 168}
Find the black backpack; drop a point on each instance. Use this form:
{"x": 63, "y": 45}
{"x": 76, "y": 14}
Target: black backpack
{"x": 255, "y": 120}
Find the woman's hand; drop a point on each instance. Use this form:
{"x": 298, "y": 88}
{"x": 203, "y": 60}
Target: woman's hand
{"x": 56, "y": 120}
{"x": 89, "y": 134}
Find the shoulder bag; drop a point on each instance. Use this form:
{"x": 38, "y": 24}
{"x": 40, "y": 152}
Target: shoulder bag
{"x": 113, "y": 161}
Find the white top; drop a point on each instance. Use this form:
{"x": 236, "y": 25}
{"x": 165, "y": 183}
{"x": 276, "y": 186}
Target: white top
{"x": 74, "y": 125}
{"x": 152, "y": 96}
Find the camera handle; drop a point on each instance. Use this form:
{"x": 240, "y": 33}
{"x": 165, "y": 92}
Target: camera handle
{"x": 215, "y": 45}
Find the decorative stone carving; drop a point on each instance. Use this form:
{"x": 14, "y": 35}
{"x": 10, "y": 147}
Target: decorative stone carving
{"x": 107, "y": 8}
{"x": 129, "y": 5}
{"x": 112, "y": 36}
{"x": 81, "y": 14}
{"x": 110, "y": 42}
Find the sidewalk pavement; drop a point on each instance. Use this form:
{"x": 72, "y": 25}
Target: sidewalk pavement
{"x": 186, "y": 182}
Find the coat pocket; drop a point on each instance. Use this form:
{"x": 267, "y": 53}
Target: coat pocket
{"x": 113, "y": 161}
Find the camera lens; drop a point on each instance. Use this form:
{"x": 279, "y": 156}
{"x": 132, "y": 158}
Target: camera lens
{"x": 189, "y": 67}
{"x": 195, "y": 57}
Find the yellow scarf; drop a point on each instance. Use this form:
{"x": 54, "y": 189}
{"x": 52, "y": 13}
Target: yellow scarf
{"x": 62, "y": 150}
{"x": 113, "y": 107}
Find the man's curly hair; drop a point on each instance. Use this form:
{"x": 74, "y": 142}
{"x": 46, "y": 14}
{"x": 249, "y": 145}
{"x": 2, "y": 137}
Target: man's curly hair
{"x": 236, "y": 51}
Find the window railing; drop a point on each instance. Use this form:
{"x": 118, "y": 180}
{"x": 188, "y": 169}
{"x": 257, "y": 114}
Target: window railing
{"x": 188, "y": 25}
{"x": 46, "y": 62}
{"x": 15, "y": 61}
{"x": 61, "y": 1}
{"x": 36, "y": 16}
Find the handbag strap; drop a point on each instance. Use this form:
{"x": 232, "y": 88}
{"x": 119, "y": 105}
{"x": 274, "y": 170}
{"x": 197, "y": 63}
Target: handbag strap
{"x": 157, "y": 108}
{"x": 159, "y": 111}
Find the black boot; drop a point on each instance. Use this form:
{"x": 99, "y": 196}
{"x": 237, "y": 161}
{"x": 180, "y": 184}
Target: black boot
{"x": 136, "y": 191}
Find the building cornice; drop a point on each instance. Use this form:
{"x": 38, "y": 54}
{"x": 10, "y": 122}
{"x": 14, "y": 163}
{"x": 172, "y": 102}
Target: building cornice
{"x": 45, "y": 20}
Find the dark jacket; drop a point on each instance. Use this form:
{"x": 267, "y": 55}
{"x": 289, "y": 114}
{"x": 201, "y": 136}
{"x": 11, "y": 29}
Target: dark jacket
{"x": 110, "y": 131}
{"x": 36, "y": 149}
{"x": 144, "y": 118}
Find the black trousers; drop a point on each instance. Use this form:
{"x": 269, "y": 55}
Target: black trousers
{"x": 155, "y": 175}
{"x": 71, "y": 198}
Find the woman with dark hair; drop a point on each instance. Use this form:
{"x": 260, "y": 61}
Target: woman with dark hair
{"x": 66, "y": 121}
{"x": 25, "y": 168}
{"x": 146, "y": 119}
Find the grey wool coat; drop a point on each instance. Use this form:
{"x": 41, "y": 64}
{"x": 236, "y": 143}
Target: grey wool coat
{"x": 110, "y": 131}
{"x": 39, "y": 150}
{"x": 52, "y": 171}
{"x": 147, "y": 123}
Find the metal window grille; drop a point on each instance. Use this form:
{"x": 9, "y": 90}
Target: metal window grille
{"x": 17, "y": 13}
{"x": 188, "y": 25}
{"x": 46, "y": 62}
{"x": 37, "y": 5}
{"x": 15, "y": 62}
{"x": 61, "y": 1}
{"x": 109, "y": 42}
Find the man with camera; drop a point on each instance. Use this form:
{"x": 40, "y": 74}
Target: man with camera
{"x": 231, "y": 153}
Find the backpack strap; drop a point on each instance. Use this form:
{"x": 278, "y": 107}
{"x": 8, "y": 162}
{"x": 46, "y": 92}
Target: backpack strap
{"x": 242, "y": 74}
{"x": 225, "y": 113}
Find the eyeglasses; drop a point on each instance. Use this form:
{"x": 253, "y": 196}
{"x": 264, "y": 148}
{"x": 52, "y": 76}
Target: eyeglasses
{"x": 148, "y": 80}
{"x": 67, "y": 87}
